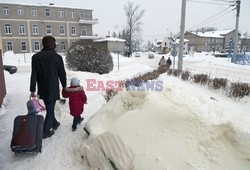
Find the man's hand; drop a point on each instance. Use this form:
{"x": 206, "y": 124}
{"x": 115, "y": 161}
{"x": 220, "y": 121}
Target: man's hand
{"x": 32, "y": 94}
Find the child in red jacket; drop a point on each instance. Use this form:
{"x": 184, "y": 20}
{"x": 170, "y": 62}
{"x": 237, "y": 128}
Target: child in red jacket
{"x": 77, "y": 99}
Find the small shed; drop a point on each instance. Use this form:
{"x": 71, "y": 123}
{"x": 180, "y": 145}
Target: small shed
{"x": 113, "y": 44}
{"x": 2, "y": 81}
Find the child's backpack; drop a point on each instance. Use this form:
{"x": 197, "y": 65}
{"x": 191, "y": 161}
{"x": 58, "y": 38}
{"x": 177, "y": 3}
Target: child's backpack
{"x": 34, "y": 106}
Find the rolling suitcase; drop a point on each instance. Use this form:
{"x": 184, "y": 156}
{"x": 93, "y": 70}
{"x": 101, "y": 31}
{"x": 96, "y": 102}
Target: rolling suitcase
{"x": 27, "y": 134}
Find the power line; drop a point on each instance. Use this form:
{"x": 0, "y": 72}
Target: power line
{"x": 210, "y": 18}
{"x": 204, "y": 2}
{"x": 218, "y": 17}
{"x": 217, "y": 3}
{"x": 223, "y": 20}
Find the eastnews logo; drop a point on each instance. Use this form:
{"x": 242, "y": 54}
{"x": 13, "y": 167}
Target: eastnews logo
{"x": 128, "y": 85}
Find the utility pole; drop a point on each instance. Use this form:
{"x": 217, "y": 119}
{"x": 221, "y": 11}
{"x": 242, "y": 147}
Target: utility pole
{"x": 236, "y": 35}
{"x": 182, "y": 30}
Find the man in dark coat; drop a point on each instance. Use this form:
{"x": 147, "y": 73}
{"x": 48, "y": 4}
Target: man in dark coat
{"x": 169, "y": 63}
{"x": 47, "y": 70}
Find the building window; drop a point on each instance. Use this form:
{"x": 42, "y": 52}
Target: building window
{"x": 63, "y": 46}
{"x": 6, "y": 11}
{"x": 60, "y": 14}
{"x": 37, "y": 46}
{"x": 84, "y": 30}
{"x": 72, "y": 14}
{"x": 73, "y": 30}
{"x": 61, "y": 30}
{"x": 9, "y": 46}
{"x": 7, "y": 29}
{"x": 35, "y": 29}
{"x": 83, "y": 16}
{"x": 20, "y": 11}
{"x": 47, "y": 12}
{"x": 23, "y": 46}
{"x": 33, "y": 12}
{"x": 21, "y": 29}
{"x": 48, "y": 29}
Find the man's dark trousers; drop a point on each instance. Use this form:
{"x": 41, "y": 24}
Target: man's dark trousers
{"x": 50, "y": 120}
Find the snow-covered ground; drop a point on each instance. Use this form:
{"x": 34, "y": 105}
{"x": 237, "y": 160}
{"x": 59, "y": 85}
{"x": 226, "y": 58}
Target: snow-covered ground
{"x": 184, "y": 126}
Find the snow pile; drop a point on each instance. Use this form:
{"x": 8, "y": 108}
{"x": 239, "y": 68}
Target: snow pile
{"x": 9, "y": 58}
{"x": 162, "y": 132}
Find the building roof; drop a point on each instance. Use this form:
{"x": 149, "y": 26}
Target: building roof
{"x": 45, "y": 5}
{"x": 213, "y": 34}
{"x": 178, "y": 40}
{"x": 111, "y": 39}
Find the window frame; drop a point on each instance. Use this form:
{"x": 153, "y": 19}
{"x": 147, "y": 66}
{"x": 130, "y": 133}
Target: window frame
{"x": 71, "y": 30}
{"x": 61, "y": 13}
{"x": 21, "y": 29}
{"x": 72, "y": 14}
{"x": 7, "y": 46}
{"x": 20, "y": 11}
{"x": 47, "y": 12}
{"x": 21, "y": 46}
{"x": 63, "y": 28}
{"x": 47, "y": 29}
{"x": 35, "y": 27}
{"x": 33, "y": 11}
{"x": 63, "y": 44}
{"x": 35, "y": 45}
{"x": 81, "y": 15}
{"x": 7, "y": 27}
{"x": 84, "y": 28}
{"x": 6, "y": 10}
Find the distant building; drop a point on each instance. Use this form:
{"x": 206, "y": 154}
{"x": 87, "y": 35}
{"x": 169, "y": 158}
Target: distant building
{"x": 114, "y": 45}
{"x": 207, "y": 41}
{"x": 23, "y": 26}
{"x": 167, "y": 44}
{"x": 157, "y": 46}
{"x": 245, "y": 44}
{"x": 185, "y": 46}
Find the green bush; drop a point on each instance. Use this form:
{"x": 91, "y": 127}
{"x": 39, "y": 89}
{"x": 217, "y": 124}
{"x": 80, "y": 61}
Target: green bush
{"x": 89, "y": 56}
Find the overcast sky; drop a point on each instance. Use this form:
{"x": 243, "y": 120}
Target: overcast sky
{"x": 161, "y": 16}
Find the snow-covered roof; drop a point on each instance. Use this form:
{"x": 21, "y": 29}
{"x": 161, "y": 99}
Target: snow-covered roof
{"x": 111, "y": 39}
{"x": 41, "y": 4}
{"x": 213, "y": 34}
{"x": 178, "y": 40}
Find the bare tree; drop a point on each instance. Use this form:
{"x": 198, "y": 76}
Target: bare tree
{"x": 134, "y": 16}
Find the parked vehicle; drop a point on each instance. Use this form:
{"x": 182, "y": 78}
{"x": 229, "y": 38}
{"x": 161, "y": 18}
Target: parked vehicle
{"x": 151, "y": 56}
{"x": 10, "y": 69}
{"x": 137, "y": 55}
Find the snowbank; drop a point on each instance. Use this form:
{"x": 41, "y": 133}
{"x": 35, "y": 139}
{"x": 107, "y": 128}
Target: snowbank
{"x": 162, "y": 130}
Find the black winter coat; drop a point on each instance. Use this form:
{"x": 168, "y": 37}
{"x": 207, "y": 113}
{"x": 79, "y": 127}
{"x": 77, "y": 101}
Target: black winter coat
{"x": 169, "y": 62}
{"x": 47, "y": 69}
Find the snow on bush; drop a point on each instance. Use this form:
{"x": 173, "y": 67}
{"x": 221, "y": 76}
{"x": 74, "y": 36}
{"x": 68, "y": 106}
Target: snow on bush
{"x": 90, "y": 57}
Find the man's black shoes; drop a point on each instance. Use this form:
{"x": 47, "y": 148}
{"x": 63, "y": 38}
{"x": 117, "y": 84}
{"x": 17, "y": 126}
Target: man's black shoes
{"x": 51, "y": 133}
{"x": 57, "y": 125}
